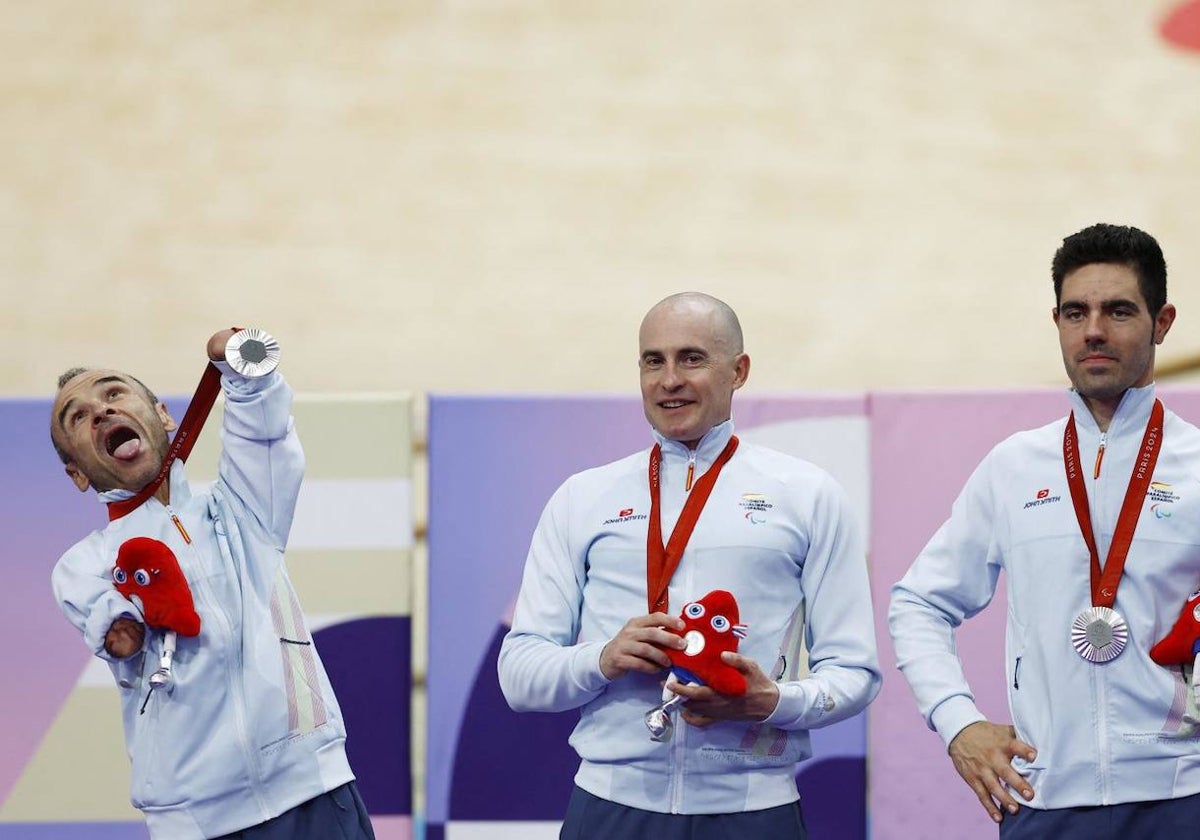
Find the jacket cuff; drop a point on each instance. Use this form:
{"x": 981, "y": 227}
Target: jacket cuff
{"x": 586, "y": 666}
{"x": 799, "y": 703}
{"x": 236, "y": 384}
{"x": 953, "y": 715}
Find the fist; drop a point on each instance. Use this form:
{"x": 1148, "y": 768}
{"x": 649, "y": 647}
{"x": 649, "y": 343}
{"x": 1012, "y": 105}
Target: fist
{"x": 124, "y": 638}
{"x": 216, "y": 344}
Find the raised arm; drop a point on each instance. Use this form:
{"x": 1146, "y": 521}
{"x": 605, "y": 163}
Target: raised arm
{"x": 261, "y": 462}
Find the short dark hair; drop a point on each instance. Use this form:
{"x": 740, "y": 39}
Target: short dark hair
{"x": 69, "y": 374}
{"x": 1119, "y": 244}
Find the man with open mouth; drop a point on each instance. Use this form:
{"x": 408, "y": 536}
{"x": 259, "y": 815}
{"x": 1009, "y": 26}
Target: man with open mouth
{"x": 230, "y": 722}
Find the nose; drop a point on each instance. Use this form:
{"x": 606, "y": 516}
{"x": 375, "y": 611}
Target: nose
{"x": 100, "y": 411}
{"x": 671, "y": 380}
{"x": 1093, "y": 328}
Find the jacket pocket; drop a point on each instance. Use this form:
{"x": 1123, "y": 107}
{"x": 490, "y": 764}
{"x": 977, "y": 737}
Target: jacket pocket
{"x": 150, "y": 787}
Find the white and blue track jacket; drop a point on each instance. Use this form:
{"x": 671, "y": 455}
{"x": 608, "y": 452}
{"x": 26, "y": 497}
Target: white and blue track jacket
{"x": 1123, "y": 731}
{"x": 250, "y": 727}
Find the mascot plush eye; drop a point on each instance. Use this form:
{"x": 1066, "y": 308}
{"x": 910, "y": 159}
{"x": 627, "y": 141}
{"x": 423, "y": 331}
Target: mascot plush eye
{"x": 142, "y": 577}
{"x": 119, "y": 575}
{"x": 694, "y": 610}
{"x": 720, "y": 623}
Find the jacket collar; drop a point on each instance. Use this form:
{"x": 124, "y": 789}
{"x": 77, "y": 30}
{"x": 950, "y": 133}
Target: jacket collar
{"x": 1131, "y": 416}
{"x": 707, "y": 450}
{"x": 181, "y": 491}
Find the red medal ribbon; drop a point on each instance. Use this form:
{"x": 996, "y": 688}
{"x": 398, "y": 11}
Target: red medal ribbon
{"x": 1105, "y": 582}
{"x": 662, "y": 562}
{"x": 181, "y": 446}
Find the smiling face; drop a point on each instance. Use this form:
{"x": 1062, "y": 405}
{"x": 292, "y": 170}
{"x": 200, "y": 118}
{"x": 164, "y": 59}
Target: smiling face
{"x": 691, "y": 362}
{"x": 1108, "y": 334}
{"x": 110, "y": 433}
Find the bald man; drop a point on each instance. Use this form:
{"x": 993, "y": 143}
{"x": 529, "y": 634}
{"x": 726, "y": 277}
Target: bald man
{"x": 600, "y": 599}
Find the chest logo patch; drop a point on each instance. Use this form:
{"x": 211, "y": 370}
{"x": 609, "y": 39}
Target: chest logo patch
{"x": 625, "y": 515}
{"x": 1042, "y": 497}
{"x": 756, "y": 506}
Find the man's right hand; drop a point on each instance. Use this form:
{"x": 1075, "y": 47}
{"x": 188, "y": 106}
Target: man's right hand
{"x": 982, "y": 754}
{"x": 124, "y": 638}
{"x": 639, "y": 646}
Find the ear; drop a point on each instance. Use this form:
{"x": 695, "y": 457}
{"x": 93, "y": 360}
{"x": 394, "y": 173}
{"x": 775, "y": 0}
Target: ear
{"x": 741, "y": 370}
{"x": 165, "y": 416}
{"x": 1054, "y": 315}
{"x": 1163, "y": 321}
{"x": 77, "y": 477}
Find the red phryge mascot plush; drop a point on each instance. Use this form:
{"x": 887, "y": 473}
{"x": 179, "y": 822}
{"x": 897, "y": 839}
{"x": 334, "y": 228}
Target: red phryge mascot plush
{"x": 711, "y": 627}
{"x": 147, "y": 570}
{"x": 1182, "y": 645}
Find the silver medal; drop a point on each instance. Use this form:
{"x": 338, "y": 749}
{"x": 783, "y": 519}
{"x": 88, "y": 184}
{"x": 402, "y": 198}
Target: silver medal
{"x": 658, "y": 720}
{"x": 1099, "y": 634}
{"x": 252, "y": 352}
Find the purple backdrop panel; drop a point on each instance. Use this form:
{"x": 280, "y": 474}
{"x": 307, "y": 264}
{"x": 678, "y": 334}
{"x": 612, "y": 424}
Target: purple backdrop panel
{"x": 369, "y": 663}
{"x": 494, "y": 462}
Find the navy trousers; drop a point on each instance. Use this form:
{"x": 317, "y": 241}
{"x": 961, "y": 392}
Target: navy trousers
{"x": 337, "y": 815}
{"x": 1160, "y": 820}
{"x": 592, "y": 818}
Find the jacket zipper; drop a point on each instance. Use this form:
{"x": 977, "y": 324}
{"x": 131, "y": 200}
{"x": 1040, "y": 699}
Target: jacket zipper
{"x": 1017, "y": 674}
{"x": 232, "y": 669}
{"x": 678, "y": 756}
{"x": 1099, "y": 684}
{"x": 691, "y": 472}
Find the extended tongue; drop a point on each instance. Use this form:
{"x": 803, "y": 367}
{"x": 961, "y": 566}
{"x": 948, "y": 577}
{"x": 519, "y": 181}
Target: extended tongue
{"x": 128, "y": 450}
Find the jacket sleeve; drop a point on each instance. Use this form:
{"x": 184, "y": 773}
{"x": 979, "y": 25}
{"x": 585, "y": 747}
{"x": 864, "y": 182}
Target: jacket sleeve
{"x": 952, "y": 579}
{"x": 542, "y": 665}
{"x": 261, "y": 462}
{"x": 844, "y": 674}
{"x": 84, "y": 590}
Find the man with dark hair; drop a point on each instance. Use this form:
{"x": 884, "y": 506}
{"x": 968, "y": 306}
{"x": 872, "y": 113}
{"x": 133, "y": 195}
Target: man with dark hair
{"x": 1117, "y": 245}
{"x": 230, "y": 721}
{"x": 595, "y": 617}
{"x": 1103, "y": 740}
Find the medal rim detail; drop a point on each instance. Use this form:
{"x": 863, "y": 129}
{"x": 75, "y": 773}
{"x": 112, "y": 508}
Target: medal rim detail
{"x": 1105, "y": 653}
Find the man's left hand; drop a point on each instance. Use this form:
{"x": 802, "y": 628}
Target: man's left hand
{"x": 705, "y": 706}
